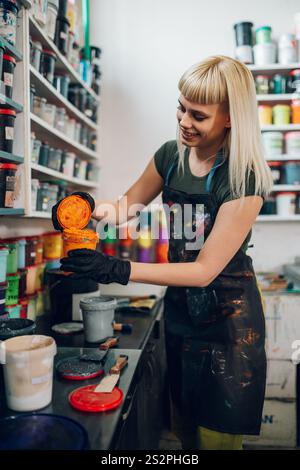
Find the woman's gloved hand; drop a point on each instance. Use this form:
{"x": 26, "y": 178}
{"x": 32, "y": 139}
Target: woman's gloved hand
{"x": 97, "y": 266}
{"x": 85, "y": 196}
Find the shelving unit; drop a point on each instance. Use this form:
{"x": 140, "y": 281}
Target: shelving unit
{"x": 273, "y": 68}
{"x": 275, "y": 97}
{"x": 58, "y": 175}
{"x": 11, "y": 103}
{"x": 10, "y": 158}
{"x": 284, "y": 128}
{"x": 11, "y": 212}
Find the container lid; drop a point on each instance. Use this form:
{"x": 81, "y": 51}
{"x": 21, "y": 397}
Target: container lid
{"x": 8, "y": 166}
{"x": 11, "y": 112}
{"x": 68, "y": 328}
{"x": 41, "y": 431}
{"x": 275, "y": 163}
{"x": 47, "y": 51}
{"x": 85, "y": 399}
{"x": 9, "y": 58}
{"x": 74, "y": 212}
{"x": 285, "y": 107}
{"x": 267, "y": 28}
{"x": 248, "y": 23}
{"x": 73, "y": 368}
{"x": 3, "y": 285}
{"x": 98, "y": 303}
{"x": 15, "y": 327}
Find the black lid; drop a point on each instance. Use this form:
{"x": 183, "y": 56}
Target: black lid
{"x": 96, "y": 51}
{"x": 244, "y": 23}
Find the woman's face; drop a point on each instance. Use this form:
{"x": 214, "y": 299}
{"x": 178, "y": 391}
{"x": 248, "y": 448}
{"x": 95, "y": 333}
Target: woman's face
{"x": 202, "y": 125}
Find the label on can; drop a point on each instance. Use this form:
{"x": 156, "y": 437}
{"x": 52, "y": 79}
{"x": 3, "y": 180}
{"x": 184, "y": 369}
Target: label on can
{"x": 9, "y": 133}
{"x": 8, "y": 79}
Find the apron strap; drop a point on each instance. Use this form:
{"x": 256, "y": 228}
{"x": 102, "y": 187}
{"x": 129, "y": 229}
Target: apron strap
{"x": 218, "y": 162}
{"x": 170, "y": 172}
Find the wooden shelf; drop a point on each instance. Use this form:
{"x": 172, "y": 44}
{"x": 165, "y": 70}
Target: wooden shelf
{"x": 285, "y": 127}
{"x": 286, "y": 187}
{"x": 275, "y": 97}
{"x": 10, "y": 103}
{"x": 58, "y": 175}
{"x": 11, "y": 50}
{"x": 61, "y": 63}
{"x": 46, "y": 90}
{"x": 7, "y": 211}
{"x": 56, "y": 138}
{"x": 10, "y": 158}
{"x": 278, "y": 218}
{"x": 273, "y": 67}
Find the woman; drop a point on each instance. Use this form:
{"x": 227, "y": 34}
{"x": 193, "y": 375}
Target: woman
{"x": 213, "y": 313}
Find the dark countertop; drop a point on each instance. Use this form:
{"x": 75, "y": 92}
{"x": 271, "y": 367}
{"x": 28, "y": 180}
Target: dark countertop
{"x": 101, "y": 427}
{"x": 142, "y": 327}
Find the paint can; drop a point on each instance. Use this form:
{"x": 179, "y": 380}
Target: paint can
{"x": 281, "y": 114}
{"x": 98, "y": 315}
{"x": 286, "y": 203}
{"x": 273, "y": 143}
{"x": 264, "y": 54}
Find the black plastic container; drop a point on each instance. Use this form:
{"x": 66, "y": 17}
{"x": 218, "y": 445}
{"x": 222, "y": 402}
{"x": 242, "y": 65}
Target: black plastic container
{"x": 16, "y": 327}
{"x": 7, "y": 124}
{"x": 61, "y": 83}
{"x": 62, "y": 7}
{"x": 47, "y": 65}
{"x": 243, "y": 33}
{"x": 7, "y": 184}
{"x": 62, "y": 34}
{"x": 77, "y": 96}
{"x": 44, "y": 154}
{"x": 9, "y": 65}
{"x": 2, "y": 51}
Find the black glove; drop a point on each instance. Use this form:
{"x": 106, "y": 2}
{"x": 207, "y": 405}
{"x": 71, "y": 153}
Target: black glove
{"x": 97, "y": 266}
{"x": 85, "y": 196}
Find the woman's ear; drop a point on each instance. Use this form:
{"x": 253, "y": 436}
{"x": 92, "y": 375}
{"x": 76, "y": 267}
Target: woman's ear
{"x": 227, "y": 122}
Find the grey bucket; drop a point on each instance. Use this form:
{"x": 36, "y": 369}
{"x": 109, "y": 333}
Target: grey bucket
{"x": 98, "y": 315}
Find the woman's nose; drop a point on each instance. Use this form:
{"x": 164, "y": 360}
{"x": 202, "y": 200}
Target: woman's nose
{"x": 185, "y": 121}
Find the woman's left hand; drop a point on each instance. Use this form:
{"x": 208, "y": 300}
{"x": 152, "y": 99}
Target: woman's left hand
{"x": 97, "y": 266}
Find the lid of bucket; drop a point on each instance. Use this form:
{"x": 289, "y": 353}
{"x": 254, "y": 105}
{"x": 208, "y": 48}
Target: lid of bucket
{"x": 68, "y": 328}
{"x": 41, "y": 431}
{"x": 98, "y": 303}
{"x": 11, "y": 327}
{"x": 73, "y": 368}
{"x": 85, "y": 399}
{"x": 74, "y": 212}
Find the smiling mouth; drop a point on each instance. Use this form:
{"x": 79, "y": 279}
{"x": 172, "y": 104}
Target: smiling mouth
{"x": 189, "y": 134}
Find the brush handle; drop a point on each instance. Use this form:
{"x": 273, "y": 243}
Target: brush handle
{"x": 121, "y": 362}
{"x": 109, "y": 343}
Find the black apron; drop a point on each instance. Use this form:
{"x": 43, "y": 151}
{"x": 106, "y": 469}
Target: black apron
{"x": 214, "y": 335}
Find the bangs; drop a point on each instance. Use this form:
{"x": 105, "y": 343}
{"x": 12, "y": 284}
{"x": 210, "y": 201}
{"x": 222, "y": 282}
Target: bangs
{"x": 204, "y": 83}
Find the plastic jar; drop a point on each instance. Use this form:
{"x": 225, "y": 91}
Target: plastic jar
{"x": 61, "y": 83}
{"x": 292, "y": 144}
{"x": 3, "y": 262}
{"x": 276, "y": 170}
{"x": 82, "y": 169}
{"x": 262, "y": 84}
{"x": 52, "y": 12}
{"x": 52, "y": 245}
{"x": 30, "y": 252}
{"x": 281, "y": 114}
{"x": 3, "y": 287}
{"x": 7, "y": 184}
{"x": 21, "y": 253}
{"x": 273, "y": 143}
{"x": 263, "y": 35}
{"x": 35, "y": 54}
{"x": 286, "y": 203}
{"x": 12, "y": 293}
{"x": 32, "y": 95}
{"x": 60, "y": 119}
{"x": 39, "y": 106}
{"x": 265, "y": 114}
{"x": 12, "y": 260}
{"x": 68, "y": 166}
{"x": 8, "y": 20}
{"x": 47, "y": 66}
{"x": 62, "y": 34}
{"x": 98, "y": 315}
{"x": 287, "y": 52}
{"x": 36, "y": 147}
{"x": 279, "y": 84}
{"x": 295, "y": 105}
{"x": 49, "y": 114}
{"x": 53, "y": 196}
{"x": 55, "y": 158}
{"x": 28, "y": 371}
{"x": 44, "y": 154}
{"x": 70, "y": 128}
{"x": 35, "y": 185}
{"x": 74, "y": 239}
{"x": 264, "y": 54}
{"x": 22, "y": 282}
{"x": 7, "y": 124}
{"x": 291, "y": 173}
{"x": 9, "y": 65}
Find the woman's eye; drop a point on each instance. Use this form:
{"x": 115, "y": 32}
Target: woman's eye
{"x": 199, "y": 118}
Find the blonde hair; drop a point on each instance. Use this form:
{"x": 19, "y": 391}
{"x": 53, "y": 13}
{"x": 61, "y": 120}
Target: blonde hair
{"x": 221, "y": 79}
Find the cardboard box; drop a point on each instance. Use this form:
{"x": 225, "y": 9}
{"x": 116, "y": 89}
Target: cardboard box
{"x": 281, "y": 379}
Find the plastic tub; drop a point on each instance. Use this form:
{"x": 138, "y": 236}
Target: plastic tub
{"x": 22, "y": 283}
{"x": 54, "y": 160}
{"x": 12, "y": 293}
{"x": 52, "y": 245}
{"x": 281, "y": 114}
{"x": 263, "y": 35}
{"x": 7, "y": 124}
{"x": 9, "y": 65}
{"x": 74, "y": 239}
{"x": 8, "y": 20}
{"x": 49, "y": 114}
{"x": 52, "y": 12}
{"x": 21, "y": 252}
{"x": 61, "y": 83}
{"x": 286, "y": 203}
{"x": 12, "y": 260}
{"x": 31, "y": 280}
{"x": 3, "y": 287}
{"x": 264, "y": 54}
{"x": 291, "y": 173}
{"x": 62, "y": 34}
{"x": 265, "y": 114}
{"x": 28, "y": 371}
{"x": 13, "y": 310}
{"x": 16, "y": 327}
{"x": 36, "y": 147}
{"x": 47, "y": 66}
{"x": 98, "y": 314}
{"x": 276, "y": 170}
{"x": 273, "y": 143}
{"x": 30, "y": 252}
{"x": 42, "y": 431}
{"x": 36, "y": 53}
{"x": 3, "y": 263}
{"x": 292, "y": 144}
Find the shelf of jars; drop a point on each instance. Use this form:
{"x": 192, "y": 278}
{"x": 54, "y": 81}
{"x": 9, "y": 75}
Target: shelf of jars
{"x": 6, "y": 211}
{"x": 282, "y": 127}
{"x": 273, "y": 67}
{"x": 272, "y": 97}
{"x": 57, "y": 175}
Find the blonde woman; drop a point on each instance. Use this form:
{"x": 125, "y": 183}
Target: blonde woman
{"x": 214, "y": 319}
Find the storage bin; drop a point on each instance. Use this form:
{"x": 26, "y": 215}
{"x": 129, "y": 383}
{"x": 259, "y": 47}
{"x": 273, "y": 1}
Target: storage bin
{"x": 291, "y": 173}
{"x": 292, "y": 144}
{"x": 12, "y": 292}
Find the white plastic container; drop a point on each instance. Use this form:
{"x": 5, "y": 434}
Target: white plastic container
{"x": 287, "y": 50}
{"x": 292, "y": 144}
{"x": 286, "y": 203}
{"x": 52, "y": 12}
{"x": 98, "y": 314}
{"x": 49, "y": 114}
{"x": 264, "y": 54}
{"x": 35, "y": 184}
{"x": 244, "y": 54}
{"x": 68, "y": 167}
{"x": 273, "y": 143}
{"x": 28, "y": 371}
{"x": 82, "y": 170}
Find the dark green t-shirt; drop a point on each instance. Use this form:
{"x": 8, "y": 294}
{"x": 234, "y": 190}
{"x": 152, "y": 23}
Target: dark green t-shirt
{"x": 192, "y": 184}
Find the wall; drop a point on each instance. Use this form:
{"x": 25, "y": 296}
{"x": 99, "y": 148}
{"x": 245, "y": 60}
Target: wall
{"x": 147, "y": 45}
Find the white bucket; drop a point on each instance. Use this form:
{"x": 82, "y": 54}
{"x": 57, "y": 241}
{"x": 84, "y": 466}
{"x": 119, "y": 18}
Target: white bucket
{"x": 98, "y": 314}
{"x": 264, "y": 54}
{"x": 28, "y": 371}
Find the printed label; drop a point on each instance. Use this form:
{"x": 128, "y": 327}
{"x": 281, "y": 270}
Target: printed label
{"x": 9, "y": 133}
{"x": 8, "y": 79}
{"x": 41, "y": 380}
{"x": 63, "y": 35}
{"x": 9, "y": 199}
